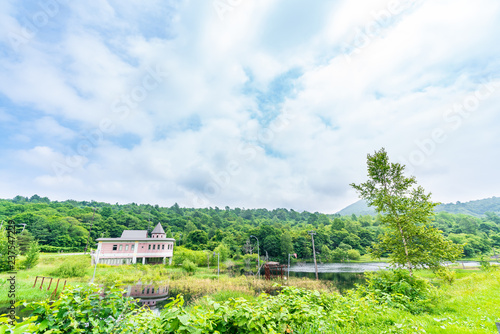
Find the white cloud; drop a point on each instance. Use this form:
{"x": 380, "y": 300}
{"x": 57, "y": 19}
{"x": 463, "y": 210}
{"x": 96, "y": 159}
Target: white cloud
{"x": 196, "y": 136}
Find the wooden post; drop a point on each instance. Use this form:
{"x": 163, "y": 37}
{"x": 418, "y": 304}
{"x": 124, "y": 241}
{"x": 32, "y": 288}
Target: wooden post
{"x": 50, "y": 283}
{"x": 57, "y": 285}
{"x": 43, "y": 278}
{"x": 36, "y": 278}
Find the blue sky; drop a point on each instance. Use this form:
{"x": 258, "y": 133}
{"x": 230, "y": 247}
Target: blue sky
{"x": 250, "y": 104}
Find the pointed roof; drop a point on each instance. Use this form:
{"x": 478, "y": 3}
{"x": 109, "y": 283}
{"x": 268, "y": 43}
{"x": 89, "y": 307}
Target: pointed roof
{"x": 158, "y": 229}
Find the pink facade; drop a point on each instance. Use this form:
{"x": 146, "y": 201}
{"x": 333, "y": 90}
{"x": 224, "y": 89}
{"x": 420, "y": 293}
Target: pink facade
{"x": 135, "y": 246}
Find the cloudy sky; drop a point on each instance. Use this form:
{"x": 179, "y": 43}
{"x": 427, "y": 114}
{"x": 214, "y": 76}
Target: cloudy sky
{"x": 246, "y": 103}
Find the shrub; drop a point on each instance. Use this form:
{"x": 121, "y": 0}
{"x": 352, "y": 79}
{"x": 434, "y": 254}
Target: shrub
{"x": 396, "y": 288}
{"x": 189, "y": 267}
{"x": 288, "y": 312}
{"x": 32, "y": 256}
{"x": 446, "y": 274}
{"x": 353, "y": 254}
{"x": 91, "y": 310}
{"x": 71, "y": 269}
{"x": 181, "y": 254}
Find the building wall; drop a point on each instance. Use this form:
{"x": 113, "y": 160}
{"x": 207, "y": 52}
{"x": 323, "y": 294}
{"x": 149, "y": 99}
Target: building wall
{"x": 141, "y": 249}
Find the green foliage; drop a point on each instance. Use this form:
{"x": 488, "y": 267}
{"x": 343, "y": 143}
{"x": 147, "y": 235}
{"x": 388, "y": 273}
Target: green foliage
{"x": 198, "y": 257}
{"x": 485, "y": 265}
{"x": 446, "y": 274}
{"x": 197, "y": 239}
{"x": 406, "y": 210}
{"x": 353, "y": 254}
{"x": 90, "y": 310}
{"x": 32, "y": 256}
{"x": 7, "y": 249}
{"x": 189, "y": 267}
{"x": 24, "y": 241}
{"x": 72, "y": 268}
{"x": 293, "y": 309}
{"x": 64, "y": 226}
{"x": 223, "y": 251}
{"x": 27, "y": 325}
{"x": 396, "y": 288}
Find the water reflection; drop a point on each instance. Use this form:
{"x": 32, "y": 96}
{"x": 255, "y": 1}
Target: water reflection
{"x": 344, "y": 276}
{"x": 342, "y": 281}
{"x": 339, "y": 267}
{"x": 148, "y": 294}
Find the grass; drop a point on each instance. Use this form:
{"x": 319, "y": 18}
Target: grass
{"x": 26, "y": 278}
{"x": 203, "y": 282}
{"x": 470, "y": 305}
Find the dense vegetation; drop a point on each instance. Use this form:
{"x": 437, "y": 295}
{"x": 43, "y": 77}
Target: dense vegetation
{"x": 66, "y": 226}
{"x": 390, "y": 302}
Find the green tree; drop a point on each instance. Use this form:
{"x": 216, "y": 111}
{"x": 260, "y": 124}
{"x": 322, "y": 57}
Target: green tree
{"x": 197, "y": 239}
{"x": 406, "y": 211}
{"x": 24, "y": 241}
{"x": 32, "y": 256}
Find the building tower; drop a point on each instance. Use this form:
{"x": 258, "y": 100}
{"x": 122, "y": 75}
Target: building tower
{"x": 158, "y": 232}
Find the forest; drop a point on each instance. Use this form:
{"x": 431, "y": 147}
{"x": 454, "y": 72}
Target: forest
{"x": 66, "y": 225}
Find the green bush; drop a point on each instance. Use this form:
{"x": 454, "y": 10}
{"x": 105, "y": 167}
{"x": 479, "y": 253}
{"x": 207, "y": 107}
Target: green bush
{"x": 189, "y": 267}
{"x": 90, "y": 310}
{"x": 197, "y": 257}
{"x": 291, "y": 311}
{"x": 72, "y": 269}
{"x": 353, "y": 254}
{"x": 32, "y": 256}
{"x": 396, "y": 288}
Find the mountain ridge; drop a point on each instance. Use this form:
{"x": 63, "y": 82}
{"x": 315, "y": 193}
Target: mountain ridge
{"x": 476, "y": 208}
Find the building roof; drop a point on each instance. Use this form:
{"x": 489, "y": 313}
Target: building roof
{"x": 152, "y": 240}
{"x": 158, "y": 229}
{"x": 134, "y": 234}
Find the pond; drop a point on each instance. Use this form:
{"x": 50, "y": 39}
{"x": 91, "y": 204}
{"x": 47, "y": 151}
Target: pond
{"x": 343, "y": 275}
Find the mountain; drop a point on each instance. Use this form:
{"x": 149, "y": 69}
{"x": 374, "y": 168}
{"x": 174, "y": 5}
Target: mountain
{"x": 358, "y": 208}
{"x": 476, "y": 208}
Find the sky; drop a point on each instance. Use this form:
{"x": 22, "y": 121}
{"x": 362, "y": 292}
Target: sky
{"x": 246, "y": 103}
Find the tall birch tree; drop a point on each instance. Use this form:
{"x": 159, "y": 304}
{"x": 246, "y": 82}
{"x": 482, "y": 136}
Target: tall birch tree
{"x": 406, "y": 212}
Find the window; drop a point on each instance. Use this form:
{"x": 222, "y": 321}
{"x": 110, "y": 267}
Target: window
{"x": 115, "y": 247}
{"x": 154, "y": 247}
{"x": 126, "y": 247}
{"x": 132, "y": 247}
{"x": 121, "y": 247}
{"x": 162, "y": 246}
{"x": 149, "y": 247}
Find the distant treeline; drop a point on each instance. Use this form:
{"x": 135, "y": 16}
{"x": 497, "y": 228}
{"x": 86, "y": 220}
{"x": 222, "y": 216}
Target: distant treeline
{"x": 65, "y": 226}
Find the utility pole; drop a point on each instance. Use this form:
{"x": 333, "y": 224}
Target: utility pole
{"x": 288, "y": 269}
{"x": 312, "y": 233}
{"x": 90, "y": 230}
{"x": 258, "y": 254}
{"x": 217, "y": 264}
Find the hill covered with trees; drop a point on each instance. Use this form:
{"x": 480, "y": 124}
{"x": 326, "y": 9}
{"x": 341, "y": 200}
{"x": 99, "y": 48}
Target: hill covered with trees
{"x": 477, "y": 208}
{"x": 68, "y": 225}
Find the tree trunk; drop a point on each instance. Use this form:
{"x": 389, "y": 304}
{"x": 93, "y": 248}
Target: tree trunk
{"x": 406, "y": 250}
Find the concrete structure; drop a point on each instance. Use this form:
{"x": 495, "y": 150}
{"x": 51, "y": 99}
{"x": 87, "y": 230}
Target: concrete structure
{"x": 135, "y": 246}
